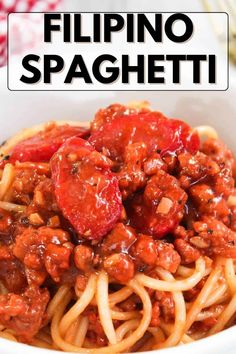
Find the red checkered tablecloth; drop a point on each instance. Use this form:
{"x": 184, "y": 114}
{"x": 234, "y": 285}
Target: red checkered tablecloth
{"x": 21, "y": 42}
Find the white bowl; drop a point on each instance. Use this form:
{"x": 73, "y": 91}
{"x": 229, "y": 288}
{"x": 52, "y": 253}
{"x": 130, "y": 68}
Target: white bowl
{"x": 23, "y": 109}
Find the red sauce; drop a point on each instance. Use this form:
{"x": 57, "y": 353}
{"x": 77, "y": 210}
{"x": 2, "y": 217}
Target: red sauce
{"x": 139, "y": 193}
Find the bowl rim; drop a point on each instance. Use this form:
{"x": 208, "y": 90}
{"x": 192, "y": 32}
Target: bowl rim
{"x": 210, "y": 343}
{"x": 223, "y": 340}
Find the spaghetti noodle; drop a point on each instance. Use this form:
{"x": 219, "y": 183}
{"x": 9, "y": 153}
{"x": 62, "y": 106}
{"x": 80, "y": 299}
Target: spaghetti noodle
{"x": 117, "y": 238}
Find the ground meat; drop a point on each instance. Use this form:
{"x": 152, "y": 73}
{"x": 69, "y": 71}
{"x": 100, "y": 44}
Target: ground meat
{"x": 131, "y": 304}
{"x": 153, "y": 164}
{"x": 145, "y": 250}
{"x": 68, "y": 276}
{"x": 43, "y": 209}
{"x": 5, "y": 222}
{"x": 205, "y": 325}
{"x": 24, "y": 185}
{"x": 155, "y": 320}
{"x": 202, "y": 194}
{"x": 191, "y": 294}
{"x": 105, "y": 115}
{"x": 166, "y": 303}
{"x": 209, "y": 184}
{"x": 223, "y": 183}
{"x": 11, "y": 270}
{"x": 120, "y": 239}
{"x": 131, "y": 175}
{"x": 167, "y": 257}
{"x": 214, "y": 311}
{"x": 81, "y": 282}
{"x": 160, "y": 208}
{"x": 83, "y": 257}
{"x": 220, "y": 239}
{"x": 149, "y": 253}
{"x": 171, "y": 162}
{"x": 120, "y": 267}
{"x": 57, "y": 259}
{"x": 188, "y": 253}
{"x": 208, "y": 202}
{"x": 232, "y": 219}
{"x": 183, "y": 233}
{"x": 44, "y": 196}
{"x": 24, "y": 313}
{"x": 43, "y": 251}
{"x": 219, "y": 152}
{"x": 95, "y": 330}
{"x": 196, "y": 167}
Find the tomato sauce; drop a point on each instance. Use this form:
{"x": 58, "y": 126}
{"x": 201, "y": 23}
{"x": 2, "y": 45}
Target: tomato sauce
{"x": 134, "y": 192}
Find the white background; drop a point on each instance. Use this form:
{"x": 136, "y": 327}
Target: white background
{"x": 196, "y": 45}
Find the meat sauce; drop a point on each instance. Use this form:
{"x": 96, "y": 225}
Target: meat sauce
{"x": 136, "y": 192}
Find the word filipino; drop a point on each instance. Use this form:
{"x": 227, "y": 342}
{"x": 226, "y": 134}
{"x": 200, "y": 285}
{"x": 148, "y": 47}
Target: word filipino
{"x": 108, "y": 67}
